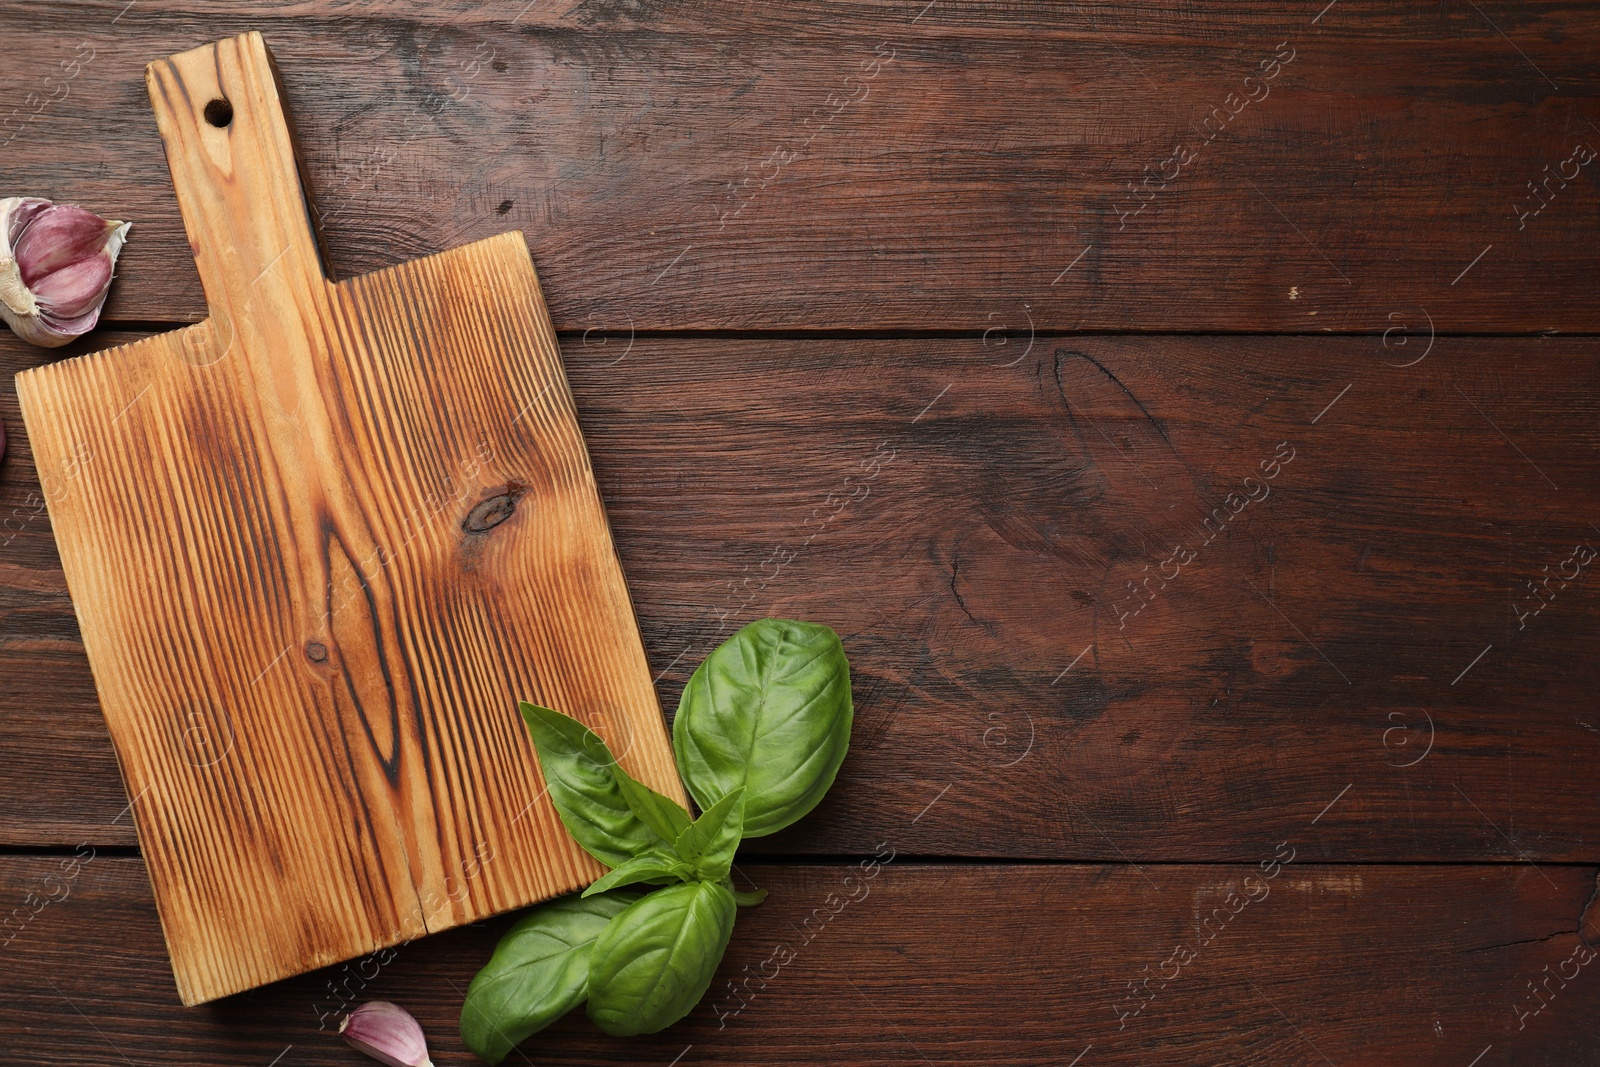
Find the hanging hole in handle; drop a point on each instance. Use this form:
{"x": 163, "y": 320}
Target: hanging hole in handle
{"x": 219, "y": 112}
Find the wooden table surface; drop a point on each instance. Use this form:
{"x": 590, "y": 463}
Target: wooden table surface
{"x": 1187, "y": 416}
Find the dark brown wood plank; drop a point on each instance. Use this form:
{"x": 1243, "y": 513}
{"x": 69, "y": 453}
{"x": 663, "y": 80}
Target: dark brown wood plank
{"x": 918, "y": 964}
{"x": 972, "y": 529}
{"x": 890, "y": 164}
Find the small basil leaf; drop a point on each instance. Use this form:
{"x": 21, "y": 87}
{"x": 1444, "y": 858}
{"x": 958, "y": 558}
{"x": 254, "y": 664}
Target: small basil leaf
{"x": 709, "y": 843}
{"x": 666, "y": 817}
{"x": 581, "y": 775}
{"x": 768, "y": 710}
{"x": 538, "y": 973}
{"x": 654, "y": 864}
{"x": 748, "y": 898}
{"x": 655, "y": 960}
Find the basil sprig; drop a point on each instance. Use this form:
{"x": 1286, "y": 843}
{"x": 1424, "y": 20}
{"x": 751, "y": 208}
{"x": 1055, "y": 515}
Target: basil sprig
{"x": 761, "y": 730}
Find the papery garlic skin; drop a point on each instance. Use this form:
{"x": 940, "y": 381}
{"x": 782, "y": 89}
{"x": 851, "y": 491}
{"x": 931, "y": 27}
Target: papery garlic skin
{"x": 387, "y": 1033}
{"x": 56, "y": 264}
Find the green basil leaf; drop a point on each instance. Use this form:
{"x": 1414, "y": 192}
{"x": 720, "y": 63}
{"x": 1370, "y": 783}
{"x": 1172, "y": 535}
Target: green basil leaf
{"x": 749, "y": 898}
{"x": 710, "y": 841}
{"x": 538, "y": 973}
{"x": 655, "y": 960}
{"x": 666, "y": 817}
{"x": 654, "y": 864}
{"x": 582, "y": 778}
{"x": 768, "y": 710}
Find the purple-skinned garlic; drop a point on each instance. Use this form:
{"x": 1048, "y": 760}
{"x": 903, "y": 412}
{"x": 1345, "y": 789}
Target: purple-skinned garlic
{"x": 56, "y": 263}
{"x": 387, "y": 1033}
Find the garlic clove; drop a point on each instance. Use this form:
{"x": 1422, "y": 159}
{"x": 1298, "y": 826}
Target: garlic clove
{"x": 59, "y": 236}
{"x": 387, "y": 1033}
{"x": 74, "y": 290}
{"x": 75, "y": 327}
{"x": 56, "y": 265}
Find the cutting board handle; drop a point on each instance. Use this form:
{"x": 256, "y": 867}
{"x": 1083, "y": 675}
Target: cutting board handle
{"x": 231, "y": 151}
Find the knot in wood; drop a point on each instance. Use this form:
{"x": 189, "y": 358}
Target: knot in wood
{"x": 492, "y": 512}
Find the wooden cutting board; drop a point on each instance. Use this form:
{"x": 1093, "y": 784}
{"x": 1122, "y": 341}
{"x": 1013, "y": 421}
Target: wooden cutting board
{"x": 319, "y": 545}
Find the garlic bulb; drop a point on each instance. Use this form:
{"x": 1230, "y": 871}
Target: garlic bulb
{"x": 55, "y": 268}
{"x": 387, "y": 1033}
